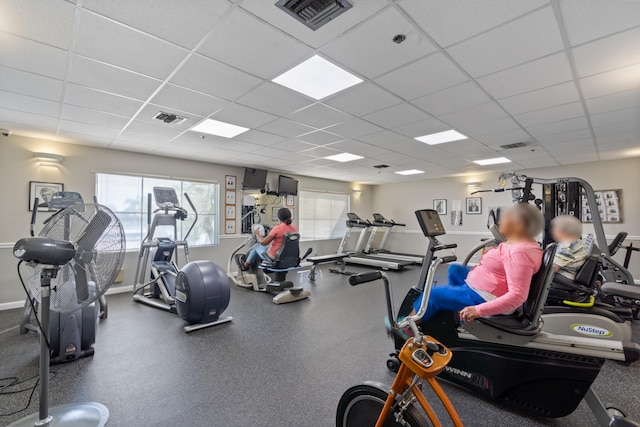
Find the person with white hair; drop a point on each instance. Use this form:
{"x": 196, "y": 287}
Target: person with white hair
{"x": 571, "y": 252}
{"x": 500, "y": 283}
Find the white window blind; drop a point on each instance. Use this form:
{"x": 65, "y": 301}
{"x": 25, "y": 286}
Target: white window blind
{"x": 322, "y": 215}
{"x": 126, "y": 196}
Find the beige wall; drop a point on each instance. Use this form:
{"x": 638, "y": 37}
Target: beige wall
{"x": 399, "y": 201}
{"x": 77, "y": 172}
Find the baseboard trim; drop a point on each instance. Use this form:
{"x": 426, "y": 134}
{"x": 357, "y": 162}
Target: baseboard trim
{"x": 19, "y": 304}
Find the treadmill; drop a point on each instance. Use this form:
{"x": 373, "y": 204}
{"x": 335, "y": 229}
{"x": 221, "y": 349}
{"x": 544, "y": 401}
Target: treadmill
{"x": 381, "y": 222}
{"x": 359, "y": 257}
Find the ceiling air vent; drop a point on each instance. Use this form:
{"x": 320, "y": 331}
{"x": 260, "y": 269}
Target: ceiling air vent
{"x": 518, "y": 145}
{"x": 314, "y": 13}
{"x": 168, "y": 118}
{"x": 381, "y": 166}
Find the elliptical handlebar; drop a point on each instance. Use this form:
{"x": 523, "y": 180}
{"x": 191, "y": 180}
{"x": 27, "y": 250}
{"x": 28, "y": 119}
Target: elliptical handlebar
{"x": 195, "y": 213}
{"x": 34, "y": 213}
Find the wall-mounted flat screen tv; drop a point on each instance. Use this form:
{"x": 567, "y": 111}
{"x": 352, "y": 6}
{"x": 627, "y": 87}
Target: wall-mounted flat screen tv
{"x": 254, "y": 179}
{"x": 287, "y": 186}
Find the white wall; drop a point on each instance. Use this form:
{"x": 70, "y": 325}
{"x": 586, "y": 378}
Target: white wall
{"x": 399, "y": 201}
{"x": 77, "y": 172}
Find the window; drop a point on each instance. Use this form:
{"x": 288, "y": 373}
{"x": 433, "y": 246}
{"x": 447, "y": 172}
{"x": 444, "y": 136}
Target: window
{"x": 322, "y": 215}
{"x": 126, "y": 196}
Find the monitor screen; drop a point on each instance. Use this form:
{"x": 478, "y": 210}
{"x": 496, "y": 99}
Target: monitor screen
{"x": 430, "y": 222}
{"x": 287, "y": 186}
{"x": 254, "y": 179}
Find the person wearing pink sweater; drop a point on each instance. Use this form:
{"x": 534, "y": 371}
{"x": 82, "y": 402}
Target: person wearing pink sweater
{"x": 500, "y": 283}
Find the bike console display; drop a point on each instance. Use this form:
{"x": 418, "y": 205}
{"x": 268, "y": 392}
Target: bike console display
{"x": 430, "y": 222}
{"x": 165, "y": 197}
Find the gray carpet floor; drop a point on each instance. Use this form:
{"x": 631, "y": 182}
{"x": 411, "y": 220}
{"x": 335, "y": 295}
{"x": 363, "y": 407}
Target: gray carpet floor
{"x": 274, "y": 365}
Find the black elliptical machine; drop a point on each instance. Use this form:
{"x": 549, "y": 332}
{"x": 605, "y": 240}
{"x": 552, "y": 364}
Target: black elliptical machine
{"x": 509, "y": 358}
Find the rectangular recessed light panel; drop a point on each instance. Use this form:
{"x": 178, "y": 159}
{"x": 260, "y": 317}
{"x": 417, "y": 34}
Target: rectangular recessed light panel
{"x": 410, "y": 172}
{"x": 494, "y": 161}
{"x": 218, "y": 128}
{"x": 318, "y": 78}
{"x": 344, "y": 157}
{"x": 441, "y": 137}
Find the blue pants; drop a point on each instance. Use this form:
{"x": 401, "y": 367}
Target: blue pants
{"x": 451, "y": 297}
{"x": 257, "y": 253}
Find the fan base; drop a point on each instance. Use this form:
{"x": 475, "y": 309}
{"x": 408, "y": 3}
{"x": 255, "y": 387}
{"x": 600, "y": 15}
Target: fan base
{"x": 88, "y": 414}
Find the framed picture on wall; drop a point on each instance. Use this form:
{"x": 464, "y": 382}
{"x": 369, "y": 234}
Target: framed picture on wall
{"x": 229, "y": 182}
{"x": 290, "y": 200}
{"x": 474, "y": 205}
{"x": 44, "y": 191}
{"x": 274, "y": 214}
{"x": 609, "y": 206}
{"x": 230, "y": 212}
{"x": 440, "y": 206}
{"x": 230, "y": 226}
{"x": 230, "y": 197}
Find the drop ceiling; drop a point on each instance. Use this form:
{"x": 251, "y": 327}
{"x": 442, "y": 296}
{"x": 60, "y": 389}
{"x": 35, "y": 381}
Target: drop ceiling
{"x": 563, "y": 74}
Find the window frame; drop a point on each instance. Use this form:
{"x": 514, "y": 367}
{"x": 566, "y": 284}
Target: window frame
{"x": 143, "y": 205}
{"x": 305, "y": 236}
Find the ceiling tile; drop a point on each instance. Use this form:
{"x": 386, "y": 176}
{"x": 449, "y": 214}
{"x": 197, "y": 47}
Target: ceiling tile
{"x": 82, "y": 96}
{"x": 543, "y": 72}
{"x": 29, "y": 104}
{"x": 629, "y": 128}
{"x": 565, "y": 136}
{"x": 362, "y": 99}
{"x": 319, "y": 116}
{"x": 361, "y": 48}
{"x": 452, "y": 99}
{"x": 552, "y": 114}
{"x": 355, "y": 147}
{"x": 471, "y": 18}
{"x": 178, "y": 98}
{"x": 271, "y": 152}
{"x": 293, "y": 146}
{"x": 41, "y": 20}
{"x": 320, "y": 138}
{"x": 279, "y": 19}
{"x": 286, "y": 128}
{"x": 214, "y": 78}
{"x": 382, "y": 138}
{"x": 87, "y": 129}
{"x": 321, "y": 152}
{"x": 525, "y": 39}
{"x": 474, "y": 129}
{"x": 558, "y": 127}
{"x": 274, "y": 99}
{"x": 427, "y": 75}
{"x": 611, "y": 82}
{"x": 398, "y": 115}
{"x": 258, "y": 48}
{"x": 34, "y": 57}
{"x": 474, "y": 115}
{"x": 125, "y": 47}
{"x": 188, "y": 23}
{"x": 258, "y": 137}
{"x": 243, "y": 116}
{"x": 609, "y": 53}
{"x": 618, "y": 116}
{"x": 87, "y": 72}
{"x": 30, "y": 84}
{"x": 84, "y": 115}
{"x": 587, "y": 20}
{"x": 354, "y": 128}
{"x": 613, "y": 102}
{"x": 496, "y": 138}
{"x": 30, "y": 120}
{"x": 421, "y": 128}
{"x": 149, "y": 133}
{"x": 541, "y": 98}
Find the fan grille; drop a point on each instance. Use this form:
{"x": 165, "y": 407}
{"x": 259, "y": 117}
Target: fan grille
{"x": 95, "y": 266}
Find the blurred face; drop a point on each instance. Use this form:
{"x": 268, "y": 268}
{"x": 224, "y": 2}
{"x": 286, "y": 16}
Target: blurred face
{"x": 511, "y": 225}
{"x": 559, "y": 236}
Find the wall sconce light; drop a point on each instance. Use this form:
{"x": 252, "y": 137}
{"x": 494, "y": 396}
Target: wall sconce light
{"x": 473, "y": 186}
{"x": 357, "y": 194}
{"x": 48, "y": 159}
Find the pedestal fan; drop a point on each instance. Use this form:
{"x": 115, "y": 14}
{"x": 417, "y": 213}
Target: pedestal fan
{"x": 66, "y": 275}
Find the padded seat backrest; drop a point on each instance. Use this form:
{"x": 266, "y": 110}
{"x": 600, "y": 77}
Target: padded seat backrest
{"x": 587, "y": 274}
{"x": 617, "y": 242}
{"x": 540, "y": 283}
{"x": 288, "y": 256}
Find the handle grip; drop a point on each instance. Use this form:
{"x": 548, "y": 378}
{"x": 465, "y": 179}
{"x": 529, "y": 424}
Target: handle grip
{"x": 451, "y": 258}
{"x": 443, "y": 247}
{"x": 368, "y": 276}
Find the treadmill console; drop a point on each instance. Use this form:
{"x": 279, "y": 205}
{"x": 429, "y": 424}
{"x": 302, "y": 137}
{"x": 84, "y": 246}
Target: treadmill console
{"x": 430, "y": 223}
